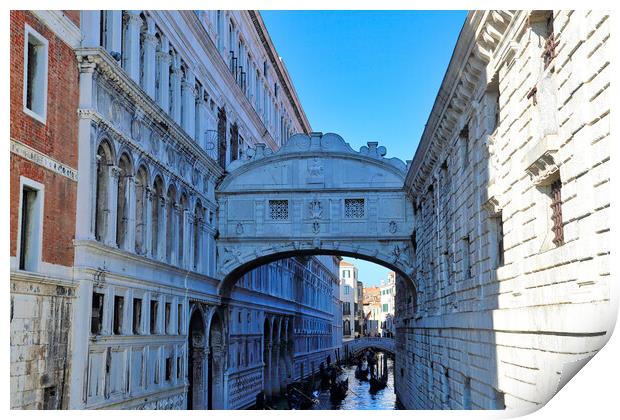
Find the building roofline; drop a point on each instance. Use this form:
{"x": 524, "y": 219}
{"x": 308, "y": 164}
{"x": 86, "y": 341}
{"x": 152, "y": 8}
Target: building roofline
{"x": 280, "y": 70}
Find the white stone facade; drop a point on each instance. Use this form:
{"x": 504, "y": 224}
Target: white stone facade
{"x": 166, "y": 105}
{"x": 512, "y": 191}
{"x": 348, "y": 294}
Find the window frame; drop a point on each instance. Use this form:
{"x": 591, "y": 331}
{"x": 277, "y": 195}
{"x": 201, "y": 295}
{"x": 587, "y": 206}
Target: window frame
{"x": 38, "y": 222}
{"x": 28, "y": 32}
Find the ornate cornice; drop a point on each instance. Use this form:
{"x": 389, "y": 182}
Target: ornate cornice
{"x": 479, "y": 38}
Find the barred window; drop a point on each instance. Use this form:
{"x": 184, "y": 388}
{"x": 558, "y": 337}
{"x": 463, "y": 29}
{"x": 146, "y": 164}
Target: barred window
{"x": 278, "y": 209}
{"x": 556, "y": 213}
{"x": 354, "y": 208}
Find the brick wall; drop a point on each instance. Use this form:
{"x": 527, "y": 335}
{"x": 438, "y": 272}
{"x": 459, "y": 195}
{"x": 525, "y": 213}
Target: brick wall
{"x": 56, "y": 139}
{"x": 41, "y": 303}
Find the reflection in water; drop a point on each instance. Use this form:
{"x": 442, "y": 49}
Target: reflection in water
{"x": 358, "y": 397}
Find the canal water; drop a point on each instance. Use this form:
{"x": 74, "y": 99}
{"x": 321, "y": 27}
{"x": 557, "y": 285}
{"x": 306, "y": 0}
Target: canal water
{"x": 359, "y": 398}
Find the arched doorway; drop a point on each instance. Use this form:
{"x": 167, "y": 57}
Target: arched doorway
{"x": 196, "y": 362}
{"x": 266, "y": 355}
{"x": 217, "y": 358}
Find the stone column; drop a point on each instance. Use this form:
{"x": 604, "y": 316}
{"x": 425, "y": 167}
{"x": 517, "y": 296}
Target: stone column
{"x": 163, "y": 69}
{"x": 189, "y": 239}
{"x": 175, "y": 92}
{"x": 149, "y": 41}
{"x": 188, "y": 96}
{"x": 114, "y": 30}
{"x": 161, "y": 237}
{"x": 114, "y": 173}
{"x": 130, "y": 239}
{"x": 131, "y": 48}
{"x": 268, "y": 374}
{"x": 148, "y": 237}
{"x": 201, "y": 115}
{"x": 275, "y": 388}
{"x": 174, "y": 241}
{"x": 90, "y": 21}
{"x": 86, "y": 165}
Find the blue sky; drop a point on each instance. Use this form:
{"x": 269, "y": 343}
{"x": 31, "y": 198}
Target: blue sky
{"x": 367, "y": 75}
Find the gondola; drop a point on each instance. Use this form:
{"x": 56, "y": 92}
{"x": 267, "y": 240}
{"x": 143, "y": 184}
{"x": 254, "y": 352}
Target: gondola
{"x": 377, "y": 384}
{"x": 361, "y": 372}
{"x": 338, "y": 390}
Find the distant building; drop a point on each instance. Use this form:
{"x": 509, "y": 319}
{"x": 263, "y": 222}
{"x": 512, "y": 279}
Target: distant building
{"x": 372, "y": 311}
{"x": 348, "y": 297}
{"x": 388, "y": 290}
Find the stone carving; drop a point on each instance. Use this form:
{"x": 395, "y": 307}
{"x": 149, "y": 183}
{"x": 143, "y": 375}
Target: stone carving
{"x": 315, "y": 172}
{"x": 316, "y": 227}
{"x": 170, "y": 155}
{"x": 230, "y": 254}
{"x": 316, "y": 210}
{"x": 393, "y": 227}
{"x": 543, "y": 169}
{"x": 155, "y": 140}
{"x": 401, "y": 254}
{"x": 136, "y": 127}
{"x": 115, "y": 111}
{"x": 493, "y": 161}
{"x": 239, "y": 228}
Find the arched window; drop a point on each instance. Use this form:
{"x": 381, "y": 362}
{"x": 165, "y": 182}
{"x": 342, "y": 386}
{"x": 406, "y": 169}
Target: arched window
{"x": 182, "y": 212}
{"x": 170, "y": 209}
{"x": 158, "y": 194}
{"x": 102, "y": 200}
{"x": 141, "y": 188}
{"x": 122, "y": 200}
{"x": 198, "y": 220}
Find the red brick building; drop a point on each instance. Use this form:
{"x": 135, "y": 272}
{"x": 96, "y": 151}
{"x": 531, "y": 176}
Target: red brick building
{"x": 44, "y": 99}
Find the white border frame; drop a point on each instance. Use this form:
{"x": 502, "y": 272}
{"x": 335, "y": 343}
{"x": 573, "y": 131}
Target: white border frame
{"x": 28, "y": 30}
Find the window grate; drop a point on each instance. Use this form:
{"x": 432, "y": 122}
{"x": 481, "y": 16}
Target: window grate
{"x": 354, "y": 208}
{"x": 278, "y": 209}
{"x": 556, "y": 213}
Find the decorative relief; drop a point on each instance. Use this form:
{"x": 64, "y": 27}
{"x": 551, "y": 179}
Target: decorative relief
{"x": 543, "y": 169}
{"x": 195, "y": 176}
{"x": 170, "y": 155}
{"x": 315, "y": 172}
{"x": 393, "y": 227}
{"x": 239, "y": 228}
{"x": 155, "y": 142}
{"x": 135, "y": 129}
{"x": 115, "y": 111}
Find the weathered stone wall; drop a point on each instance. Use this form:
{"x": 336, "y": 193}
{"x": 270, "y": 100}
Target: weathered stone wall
{"x": 489, "y": 333}
{"x": 39, "y": 327}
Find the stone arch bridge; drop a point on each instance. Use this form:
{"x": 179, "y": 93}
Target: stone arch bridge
{"x": 315, "y": 195}
{"x": 359, "y": 344}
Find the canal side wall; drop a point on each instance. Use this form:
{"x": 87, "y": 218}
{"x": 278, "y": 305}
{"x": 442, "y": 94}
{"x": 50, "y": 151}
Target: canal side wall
{"x": 492, "y": 331}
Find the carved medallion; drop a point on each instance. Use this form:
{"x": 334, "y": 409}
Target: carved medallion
{"x": 239, "y": 228}
{"x": 393, "y": 227}
{"x": 155, "y": 140}
{"x": 316, "y": 227}
{"x": 115, "y": 111}
{"x": 170, "y": 155}
{"x": 136, "y": 127}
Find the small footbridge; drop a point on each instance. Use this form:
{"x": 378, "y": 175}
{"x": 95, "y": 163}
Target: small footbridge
{"x": 358, "y": 345}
